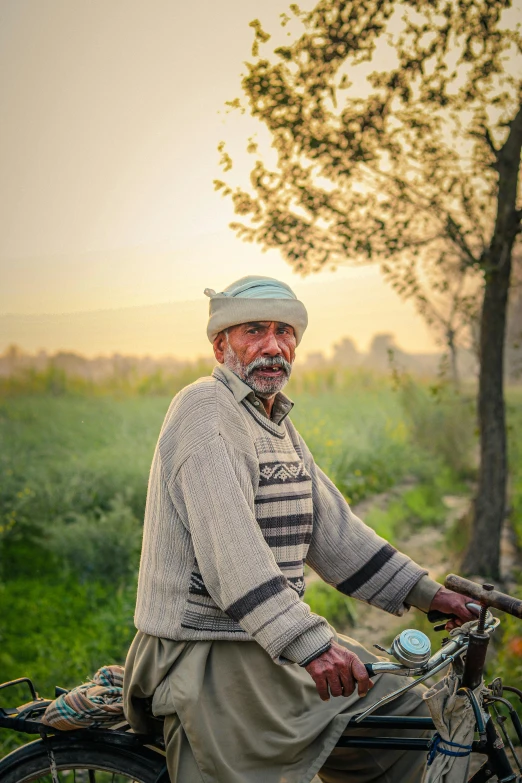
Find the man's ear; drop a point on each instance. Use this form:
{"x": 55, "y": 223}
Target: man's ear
{"x": 219, "y": 345}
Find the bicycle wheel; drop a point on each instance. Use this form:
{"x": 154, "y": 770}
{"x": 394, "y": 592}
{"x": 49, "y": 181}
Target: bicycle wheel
{"x": 80, "y": 761}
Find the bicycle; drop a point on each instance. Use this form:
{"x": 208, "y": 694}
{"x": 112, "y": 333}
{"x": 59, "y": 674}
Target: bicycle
{"x": 115, "y": 755}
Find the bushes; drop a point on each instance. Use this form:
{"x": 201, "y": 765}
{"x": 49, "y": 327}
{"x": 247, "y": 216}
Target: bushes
{"x": 357, "y": 435}
{"x": 514, "y": 420}
{"x": 68, "y": 463}
{"x": 416, "y": 507}
{"x": 103, "y": 546}
{"x": 59, "y": 632}
{"x": 509, "y": 662}
{"x": 127, "y": 381}
{"x": 441, "y": 423}
{"x": 74, "y": 470}
{"x": 329, "y": 603}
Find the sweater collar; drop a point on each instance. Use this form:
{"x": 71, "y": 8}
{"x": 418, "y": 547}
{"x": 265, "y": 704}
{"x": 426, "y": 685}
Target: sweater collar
{"x": 241, "y": 391}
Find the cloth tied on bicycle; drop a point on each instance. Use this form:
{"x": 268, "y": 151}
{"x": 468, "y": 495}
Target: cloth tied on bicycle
{"x": 454, "y": 719}
{"x": 96, "y": 703}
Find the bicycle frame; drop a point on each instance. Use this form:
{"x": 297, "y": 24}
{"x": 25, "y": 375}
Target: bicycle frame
{"x": 26, "y": 720}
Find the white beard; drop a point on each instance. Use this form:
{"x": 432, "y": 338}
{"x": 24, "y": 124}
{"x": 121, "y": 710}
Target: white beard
{"x": 263, "y": 387}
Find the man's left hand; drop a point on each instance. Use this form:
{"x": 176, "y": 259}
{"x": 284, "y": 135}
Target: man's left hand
{"x": 448, "y": 602}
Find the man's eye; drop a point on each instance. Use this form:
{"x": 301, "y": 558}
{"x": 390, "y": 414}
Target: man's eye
{"x": 254, "y": 330}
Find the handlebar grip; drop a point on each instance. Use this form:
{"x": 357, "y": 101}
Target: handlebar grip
{"x": 434, "y": 616}
{"x": 369, "y": 669}
{"x": 494, "y": 598}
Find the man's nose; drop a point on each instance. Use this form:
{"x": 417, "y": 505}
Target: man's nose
{"x": 270, "y": 345}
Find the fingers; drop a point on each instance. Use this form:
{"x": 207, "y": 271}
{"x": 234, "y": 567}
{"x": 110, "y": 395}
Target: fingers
{"x": 347, "y": 681}
{"x": 449, "y": 602}
{"x": 321, "y": 684}
{"x": 329, "y": 684}
{"x": 451, "y": 624}
{"x": 336, "y": 672}
{"x": 336, "y": 686}
{"x": 340, "y": 684}
{"x": 465, "y": 614}
{"x": 361, "y": 675}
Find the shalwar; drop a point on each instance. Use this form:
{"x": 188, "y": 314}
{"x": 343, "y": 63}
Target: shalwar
{"x": 232, "y": 715}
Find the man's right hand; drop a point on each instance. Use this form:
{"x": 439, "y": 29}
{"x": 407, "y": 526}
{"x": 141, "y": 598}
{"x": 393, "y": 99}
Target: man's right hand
{"x": 337, "y": 671}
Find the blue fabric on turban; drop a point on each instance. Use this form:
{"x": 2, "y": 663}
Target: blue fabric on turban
{"x": 258, "y": 287}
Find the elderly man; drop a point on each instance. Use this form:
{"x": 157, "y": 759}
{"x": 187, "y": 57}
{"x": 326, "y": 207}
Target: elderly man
{"x": 226, "y": 649}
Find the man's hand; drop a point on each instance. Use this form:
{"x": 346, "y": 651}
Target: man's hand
{"x": 339, "y": 670}
{"x": 453, "y": 603}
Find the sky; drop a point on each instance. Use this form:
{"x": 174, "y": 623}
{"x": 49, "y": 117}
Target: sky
{"x": 112, "y": 112}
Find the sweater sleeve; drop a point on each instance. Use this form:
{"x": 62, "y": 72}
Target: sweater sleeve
{"x": 214, "y": 492}
{"x": 423, "y": 594}
{"x": 350, "y": 556}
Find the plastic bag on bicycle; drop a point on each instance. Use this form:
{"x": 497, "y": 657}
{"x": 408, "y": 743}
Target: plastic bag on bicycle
{"x": 454, "y": 719}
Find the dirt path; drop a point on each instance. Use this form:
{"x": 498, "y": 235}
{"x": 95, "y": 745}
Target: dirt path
{"x": 426, "y": 547}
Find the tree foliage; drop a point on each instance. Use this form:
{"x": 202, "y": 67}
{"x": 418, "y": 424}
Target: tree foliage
{"x": 408, "y": 170}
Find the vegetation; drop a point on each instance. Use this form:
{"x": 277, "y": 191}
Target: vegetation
{"x": 53, "y": 379}
{"x": 328, "y": 602}
{"x": 515, "y": 457}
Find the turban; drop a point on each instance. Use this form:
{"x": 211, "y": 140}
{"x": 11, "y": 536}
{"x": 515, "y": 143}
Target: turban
{"x": 255, "y": 298}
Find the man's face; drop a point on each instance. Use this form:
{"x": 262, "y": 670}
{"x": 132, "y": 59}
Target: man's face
{"x": 261, "y": 353}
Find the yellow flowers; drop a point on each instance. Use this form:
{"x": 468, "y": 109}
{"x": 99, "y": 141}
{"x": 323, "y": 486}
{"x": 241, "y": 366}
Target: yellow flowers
{"x": 7, "y": 526}
{"x": 24, "y": 492}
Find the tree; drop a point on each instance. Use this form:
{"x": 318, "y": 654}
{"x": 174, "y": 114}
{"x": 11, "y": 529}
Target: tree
{"x": 345, "y": 353}
{"x": 396, "y": 127}
{"x": 383, "y": 351}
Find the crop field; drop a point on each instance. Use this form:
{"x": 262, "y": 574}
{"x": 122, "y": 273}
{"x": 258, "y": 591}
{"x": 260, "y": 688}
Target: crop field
{"x": 74, "y": 466}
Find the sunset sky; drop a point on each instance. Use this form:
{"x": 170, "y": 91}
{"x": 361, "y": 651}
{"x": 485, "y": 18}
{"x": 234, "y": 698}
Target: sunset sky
{"x": 112, "y": 111}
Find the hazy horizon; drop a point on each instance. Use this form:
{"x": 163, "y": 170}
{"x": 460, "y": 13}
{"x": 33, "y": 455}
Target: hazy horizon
{"x": 337, "y": 308}
{"x": 114, "y": 112}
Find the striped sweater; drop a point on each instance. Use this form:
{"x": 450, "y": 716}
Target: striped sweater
{"x": 236, "y": 506}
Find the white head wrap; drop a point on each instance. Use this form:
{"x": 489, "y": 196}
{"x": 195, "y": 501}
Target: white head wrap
{"x": 255, "y": 298}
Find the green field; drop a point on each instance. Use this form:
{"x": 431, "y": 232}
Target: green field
{"x": 74, "y": 468}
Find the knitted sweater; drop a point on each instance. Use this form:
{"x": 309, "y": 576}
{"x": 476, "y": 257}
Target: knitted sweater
{"x": 236, "y": 505}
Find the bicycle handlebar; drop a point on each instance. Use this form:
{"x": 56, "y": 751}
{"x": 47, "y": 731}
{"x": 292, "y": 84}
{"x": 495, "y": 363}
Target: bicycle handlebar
{"x": 494, "y": 598}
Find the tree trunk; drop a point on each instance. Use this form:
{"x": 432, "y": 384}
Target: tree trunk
{"x": 483, "y": 554}
{"x": 455, "y": 379}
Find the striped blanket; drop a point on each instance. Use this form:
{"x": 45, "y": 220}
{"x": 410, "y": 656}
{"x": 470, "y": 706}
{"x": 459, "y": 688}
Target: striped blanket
{"x": 96, "y": 703}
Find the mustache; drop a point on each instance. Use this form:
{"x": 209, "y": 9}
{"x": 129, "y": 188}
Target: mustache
{"x": 265, "y": 362}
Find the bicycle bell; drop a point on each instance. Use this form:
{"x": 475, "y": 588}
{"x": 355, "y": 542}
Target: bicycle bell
{"x": 411, "y": 648}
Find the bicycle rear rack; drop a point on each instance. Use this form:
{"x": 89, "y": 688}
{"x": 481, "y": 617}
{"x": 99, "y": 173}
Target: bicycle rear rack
{"x": 20, "y": 681}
